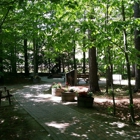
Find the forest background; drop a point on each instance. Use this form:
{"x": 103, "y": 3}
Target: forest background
{"x": 40, "y": 35}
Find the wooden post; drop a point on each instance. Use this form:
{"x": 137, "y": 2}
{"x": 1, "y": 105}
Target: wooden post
{"x": 0, "y": 97}
{"x": 8, "y": 95}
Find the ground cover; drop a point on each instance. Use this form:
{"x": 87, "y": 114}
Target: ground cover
{"x": 103, "y": 103}
{"x": 16, "y": 123}
{"x": 103, "y": 111}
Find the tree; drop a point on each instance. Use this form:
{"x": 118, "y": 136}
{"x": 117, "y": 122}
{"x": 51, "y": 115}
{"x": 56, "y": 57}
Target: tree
{"x": 5, "y": 7}
{"x": 131, "y": 105}
{"x": 109, "y": 70}
{"x": 137, "y": 44}
{"x": 93, "y": 77}
{"x": 26, "y": 67}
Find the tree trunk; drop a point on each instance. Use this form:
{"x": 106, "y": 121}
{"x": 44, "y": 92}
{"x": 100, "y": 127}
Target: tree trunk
{"x": 1, "y": 61}
{"x": 131, "y": 105}
{"x": 84, "y": 44}
{"x": 109, "y": 70}
{"x": 137, "y": 46}
{"x": 59, "y": 64}
{"x": 133, "y": 70}
{"x": 13, "y": 59}
{"x": 26, "y": 58}
{"x": 63, "y": 65}
{"x": 93, "y": 77}
{"x": 75, "y": 65}
{"x": 35, "y": 57}
{"x": 84, "y": 55}
{"x": 84, "y": 62}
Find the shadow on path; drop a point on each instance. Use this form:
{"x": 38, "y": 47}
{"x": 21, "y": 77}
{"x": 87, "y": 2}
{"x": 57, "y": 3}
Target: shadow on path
{"x": 63, "y": 122}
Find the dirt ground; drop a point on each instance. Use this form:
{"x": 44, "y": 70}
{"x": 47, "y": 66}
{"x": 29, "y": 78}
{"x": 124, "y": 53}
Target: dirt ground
{"x": 16, "y": 123}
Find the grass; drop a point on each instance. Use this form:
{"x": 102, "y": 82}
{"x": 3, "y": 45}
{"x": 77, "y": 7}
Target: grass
{"x": 17, "y": 124}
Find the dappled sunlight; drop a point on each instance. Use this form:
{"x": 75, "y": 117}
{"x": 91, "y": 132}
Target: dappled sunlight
{"x": 118, "y": 124}
{"x": 55, "y": 99}
{"x": 28, "y": 95}
{"x": 79, "y": 136}
{"x": 43, "y": 96}
{"x": 74, "y": 134}
{"x": 2, "y": 121}
{"x": 138, "y": 123}
{"x": 61, "y": 126}
{"x": 66, "y": 118}
{"x": 80, "y": 88}
{"x": 16, "y": 123}
{"x": 100, "y": 100}
{"x": 34, "y": 93}
{"x": 69, "y": 103}
{"x": 73, "y": 128}
{"x": 38, "y": 88}
{"x": 37, "y": 98}
{"x": 122, "y": 132}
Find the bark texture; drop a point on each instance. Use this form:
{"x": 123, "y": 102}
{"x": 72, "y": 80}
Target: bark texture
{"x": 93, "y": 77}
{"x": 137, "y": 45}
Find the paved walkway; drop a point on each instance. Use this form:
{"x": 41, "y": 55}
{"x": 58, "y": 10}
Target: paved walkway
{"x": 62, "y": 122}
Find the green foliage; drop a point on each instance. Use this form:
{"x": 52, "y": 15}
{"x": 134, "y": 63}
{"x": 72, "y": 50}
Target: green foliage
{"x": 110, "y": 109}
{"x": 71, "y": 4}
{"x": 1, "y": 74}
{"x": 110, "y": 92}
{"x": 57, "y": 85}
{"x": 131, "y": 105}
{"x": 56, "y": 24}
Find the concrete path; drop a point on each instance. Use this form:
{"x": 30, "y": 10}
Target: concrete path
{"x": 62, "y": 122}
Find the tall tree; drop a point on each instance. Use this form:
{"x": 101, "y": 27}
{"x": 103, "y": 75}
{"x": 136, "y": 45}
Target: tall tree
{"x": 26, "y": 67}
{"x": 35, "y": 56}
{"x": 131, "y": 105}
{"x": 109, "y": 70}
{"x": 1, "y": 60}
{"x": 93, "y": 77}
{"x": 137, "y": 44}
{"x": 5, "y": 9}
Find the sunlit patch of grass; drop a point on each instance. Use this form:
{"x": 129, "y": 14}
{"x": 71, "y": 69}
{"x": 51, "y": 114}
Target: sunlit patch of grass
{"x": 138, "y": 123}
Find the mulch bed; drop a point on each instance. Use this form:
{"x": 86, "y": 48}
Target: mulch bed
{"x": 122, "y": 107}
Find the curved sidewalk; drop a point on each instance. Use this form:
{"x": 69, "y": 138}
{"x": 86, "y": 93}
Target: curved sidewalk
{"x": 62, "y": 122}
